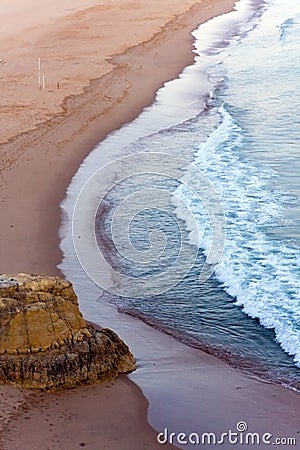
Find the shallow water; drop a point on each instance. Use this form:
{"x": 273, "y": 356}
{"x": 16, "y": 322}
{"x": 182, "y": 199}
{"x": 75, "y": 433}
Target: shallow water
{"x": 245, "y": 143}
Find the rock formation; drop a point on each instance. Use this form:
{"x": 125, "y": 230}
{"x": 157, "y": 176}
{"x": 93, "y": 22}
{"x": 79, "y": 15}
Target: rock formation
{"x": 44, "y": 341}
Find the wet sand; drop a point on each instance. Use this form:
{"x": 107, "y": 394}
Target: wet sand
{"x": 102, "y": 416}
{"x": 45, "y": 134}
{"x": 70, "y": 74}
{"x": 97, "y": 94}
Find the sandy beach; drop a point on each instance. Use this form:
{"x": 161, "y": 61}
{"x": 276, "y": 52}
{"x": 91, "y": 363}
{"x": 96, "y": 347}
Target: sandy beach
{"x": 111, "y": 416}
{"x": 45, "y": 134}
{"x": 100, "y": 64}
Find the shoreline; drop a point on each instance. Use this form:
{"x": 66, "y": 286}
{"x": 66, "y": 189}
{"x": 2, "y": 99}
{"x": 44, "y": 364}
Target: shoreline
{"x": 246, "y": 367}
{"x": 225, "y": 395}
{"x": 41, "y": 163}
{"x": 54, "y": 151}
{"x": 69, "y": 419}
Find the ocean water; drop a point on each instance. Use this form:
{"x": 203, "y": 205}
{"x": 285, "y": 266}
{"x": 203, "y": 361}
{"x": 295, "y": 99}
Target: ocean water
{"x": 210, "y": 180}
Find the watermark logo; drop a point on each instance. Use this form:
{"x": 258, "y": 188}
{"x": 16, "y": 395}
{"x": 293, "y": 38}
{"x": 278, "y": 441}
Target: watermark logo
{"x": 240, "y": 436}
{"x": 145, "y": 196}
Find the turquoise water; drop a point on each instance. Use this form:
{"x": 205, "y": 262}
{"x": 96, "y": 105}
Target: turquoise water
{"x": 260, "y": 149}
{"x": 245, "y": 141}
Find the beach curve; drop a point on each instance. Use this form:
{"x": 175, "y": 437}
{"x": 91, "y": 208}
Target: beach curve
{"x": 44, "y": 256}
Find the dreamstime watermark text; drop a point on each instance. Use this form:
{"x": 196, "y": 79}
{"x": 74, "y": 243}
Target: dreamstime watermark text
{"x": 239, "y": 436}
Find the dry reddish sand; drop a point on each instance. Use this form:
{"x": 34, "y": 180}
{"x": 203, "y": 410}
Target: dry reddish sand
{"x": 101, "y": 63}
{"x": 45, "y": 134}
{"x": 74, "y": 43}
{"x": 98, "y": 417}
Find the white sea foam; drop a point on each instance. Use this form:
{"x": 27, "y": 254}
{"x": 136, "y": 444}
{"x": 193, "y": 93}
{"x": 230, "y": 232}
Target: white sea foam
{"x": 212, "y": 36}
{"x": 260, "y": 272}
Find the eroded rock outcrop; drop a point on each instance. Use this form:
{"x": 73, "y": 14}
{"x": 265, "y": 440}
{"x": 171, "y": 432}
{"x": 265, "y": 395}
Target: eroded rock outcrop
{"x": 45, "y": 342}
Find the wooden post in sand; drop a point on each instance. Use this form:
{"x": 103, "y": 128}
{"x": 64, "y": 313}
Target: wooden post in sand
{"x": 39, "y": 73}
{"x": 44, "y": 82}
